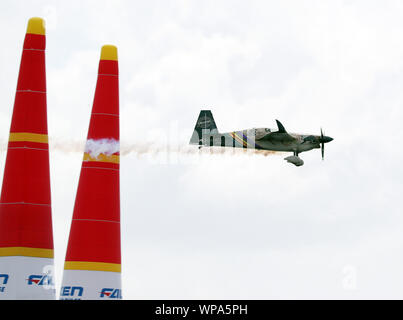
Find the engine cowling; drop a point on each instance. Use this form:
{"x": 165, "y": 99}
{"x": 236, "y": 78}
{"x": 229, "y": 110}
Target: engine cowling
{"x": 295, "y": 160}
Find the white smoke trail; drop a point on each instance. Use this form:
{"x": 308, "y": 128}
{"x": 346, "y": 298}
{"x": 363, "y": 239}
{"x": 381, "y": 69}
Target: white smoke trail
{"x": 139, "y": 149}
{"x": 62, "y": 145}
{"x": 104, "y": 146}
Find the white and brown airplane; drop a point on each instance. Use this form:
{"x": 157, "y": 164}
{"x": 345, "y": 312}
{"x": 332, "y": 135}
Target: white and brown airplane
{"x": 206, "y": 134}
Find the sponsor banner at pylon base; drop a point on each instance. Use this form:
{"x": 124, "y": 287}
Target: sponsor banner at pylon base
{"x": 27, "y": 278}
{"x": 91, "y": 285}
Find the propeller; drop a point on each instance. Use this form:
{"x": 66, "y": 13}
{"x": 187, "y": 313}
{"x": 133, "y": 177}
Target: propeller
{"x": 322, "y": 144}
{"x": 322, "y": 139}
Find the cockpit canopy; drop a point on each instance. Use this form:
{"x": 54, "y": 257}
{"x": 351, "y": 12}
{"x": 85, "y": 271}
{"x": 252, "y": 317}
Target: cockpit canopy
{"x": 261, "y": 132}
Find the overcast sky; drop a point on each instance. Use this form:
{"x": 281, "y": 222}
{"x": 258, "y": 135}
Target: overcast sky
{"x": 233, "y": 226}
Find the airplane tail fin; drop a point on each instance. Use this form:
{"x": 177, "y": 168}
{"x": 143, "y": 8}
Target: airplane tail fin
{"x": 205, "y": 124}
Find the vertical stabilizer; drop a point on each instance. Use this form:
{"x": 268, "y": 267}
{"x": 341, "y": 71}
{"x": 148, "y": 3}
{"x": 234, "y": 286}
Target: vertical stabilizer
{"x": 205, "y": 125}
{"x": 26, "y": 239}
{"x": 92, "y": 268}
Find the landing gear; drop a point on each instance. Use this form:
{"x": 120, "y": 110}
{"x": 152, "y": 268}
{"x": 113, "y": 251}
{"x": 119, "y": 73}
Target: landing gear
{"x": 295, "y": 160}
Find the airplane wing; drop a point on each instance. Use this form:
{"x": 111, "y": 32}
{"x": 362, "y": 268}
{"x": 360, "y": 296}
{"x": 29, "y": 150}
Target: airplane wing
{"x": 278, "y": 136}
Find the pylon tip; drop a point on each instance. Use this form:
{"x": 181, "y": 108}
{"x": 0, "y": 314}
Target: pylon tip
{"x": 36, "y": 26}
{"x": 109, "y": 52}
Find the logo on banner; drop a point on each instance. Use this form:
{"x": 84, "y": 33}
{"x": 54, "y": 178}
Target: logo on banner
{"x": 40, "y": 280}
{"x": 3, "y": 282}
{"x": 69, "y": 292}
{"x": 111, "y": 293}
{"x": 43, "y": 279}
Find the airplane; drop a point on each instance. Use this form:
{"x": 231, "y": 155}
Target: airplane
{"x": 206, "y": 134}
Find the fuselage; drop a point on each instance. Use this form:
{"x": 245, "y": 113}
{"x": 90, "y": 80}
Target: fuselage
{"x": 206, "y": 134}
{"x": 252, "y": 139}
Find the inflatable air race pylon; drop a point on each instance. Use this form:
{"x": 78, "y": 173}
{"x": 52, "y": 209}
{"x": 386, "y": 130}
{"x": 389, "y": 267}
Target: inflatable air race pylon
{"x": 92, "y": 267}
{"x": 26, "y": 238}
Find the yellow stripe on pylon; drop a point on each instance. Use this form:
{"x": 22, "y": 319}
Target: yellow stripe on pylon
{"x": 102, "y": 158}
{"x": 27, "y": 136}
{"x": 92, "y": 266}
{"x": 26, "y": 252}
